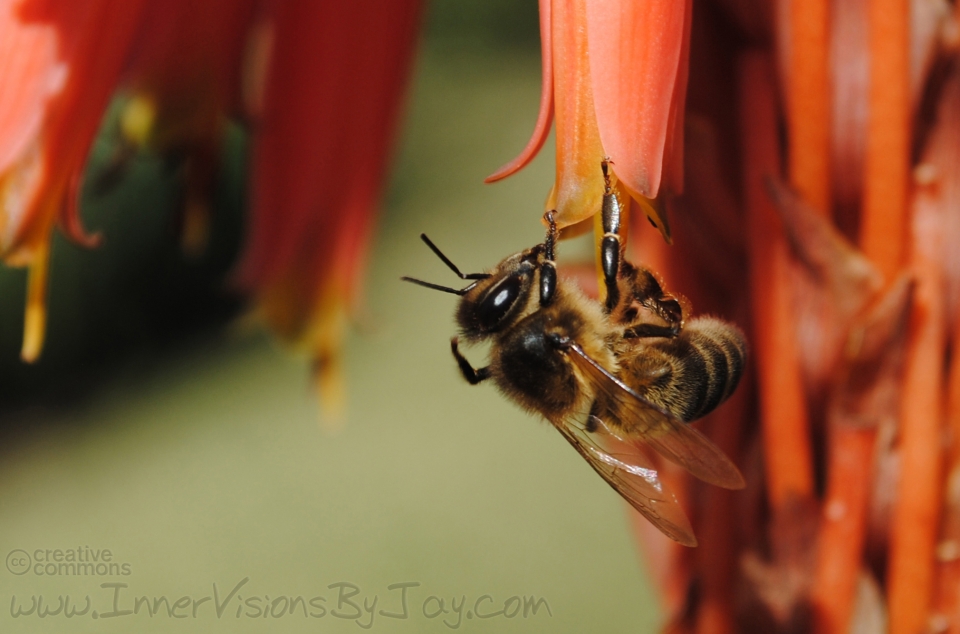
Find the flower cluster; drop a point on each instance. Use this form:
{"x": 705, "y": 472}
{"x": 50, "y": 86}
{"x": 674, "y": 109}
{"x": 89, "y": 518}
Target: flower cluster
{"x": 318, "y": 83}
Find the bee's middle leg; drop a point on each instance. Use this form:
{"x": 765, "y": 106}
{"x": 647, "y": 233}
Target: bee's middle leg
{"x": 473, "y": 376}
{"x": 610, "y": 247}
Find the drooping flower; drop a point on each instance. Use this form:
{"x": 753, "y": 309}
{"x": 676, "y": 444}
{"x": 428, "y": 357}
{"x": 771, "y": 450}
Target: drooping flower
{"x": 331, "y": 101}
{"x": 614, "y": 77}
{"x": 319, "y": 83}
{"x": 58, "y": 73}
{"x": 183, "y": 81}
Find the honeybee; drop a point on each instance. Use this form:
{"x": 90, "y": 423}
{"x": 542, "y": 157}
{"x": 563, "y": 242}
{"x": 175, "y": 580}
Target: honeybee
{"x": 630, "y": 371}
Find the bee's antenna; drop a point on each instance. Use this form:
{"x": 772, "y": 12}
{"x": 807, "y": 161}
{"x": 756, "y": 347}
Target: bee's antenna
{"x": 437, "y": 287}
{"x": 453, "y": 267}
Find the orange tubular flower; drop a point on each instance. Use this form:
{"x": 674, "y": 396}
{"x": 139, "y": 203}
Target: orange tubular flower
{"x": 617, "y": 88}
{"x": 185, "y": 78}
{"x": 321, "y": 151}
{"x": 59, "y": 71}
{"x": 321, "y": 81}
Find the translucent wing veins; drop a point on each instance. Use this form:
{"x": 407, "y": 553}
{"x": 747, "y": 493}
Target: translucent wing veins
{"x": 638, "y": 484}
{"x": 652, "y": 426}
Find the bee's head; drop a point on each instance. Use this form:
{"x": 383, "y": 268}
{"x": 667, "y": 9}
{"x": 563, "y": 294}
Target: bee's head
{"x": 493, "y": 300}
{"x": 502, "y": 299}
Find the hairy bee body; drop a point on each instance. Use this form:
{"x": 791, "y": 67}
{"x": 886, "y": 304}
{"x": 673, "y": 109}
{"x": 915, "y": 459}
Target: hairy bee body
{"x": 526, "y": 365}
{"x": 687, "y": 374}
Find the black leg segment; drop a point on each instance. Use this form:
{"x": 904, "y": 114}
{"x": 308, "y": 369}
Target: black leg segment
{"x": 548, "y": 268}
{"x": 469, "y": 373}
{"x": 610, "y": 246}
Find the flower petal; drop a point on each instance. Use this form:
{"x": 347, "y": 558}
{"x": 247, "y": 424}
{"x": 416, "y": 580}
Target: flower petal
{"x": 579, "y": 186}
{"x": 673, "y": 151}
{"x": 331, "y": 99}
{"x": 545, "y": 116}
{"x": 30, "y": 71}
{"x": 92, "y": 41}
{"x": 69, "y": 220}
{"x": 635, "y": 50}
{"x": 60, "y": 63}
{"x": 187, "y": 66}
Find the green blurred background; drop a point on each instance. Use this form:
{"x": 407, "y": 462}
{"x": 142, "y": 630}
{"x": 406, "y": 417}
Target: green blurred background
{"x": 155, "y": 428}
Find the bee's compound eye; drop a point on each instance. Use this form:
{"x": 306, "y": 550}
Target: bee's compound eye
{"x": 498, "y": 301}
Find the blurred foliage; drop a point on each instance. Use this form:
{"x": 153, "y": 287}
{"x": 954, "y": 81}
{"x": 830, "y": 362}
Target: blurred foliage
{"x": 496, "y": 24}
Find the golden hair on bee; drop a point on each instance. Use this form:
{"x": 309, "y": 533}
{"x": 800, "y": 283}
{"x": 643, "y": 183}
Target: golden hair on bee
{"x": 628, "y": 373}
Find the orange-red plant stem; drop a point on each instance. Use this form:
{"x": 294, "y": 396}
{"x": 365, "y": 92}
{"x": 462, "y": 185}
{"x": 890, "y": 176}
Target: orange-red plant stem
{"x": 884, "y": 227}
{"x": 945, "y": 155}
{"x": 717, "y": 556}
{"x": 842, "y": 531}
{"x": 669, "y": 561}
{"x": 850, "y": 455}
{"x": 886, "y": 186}
{"x": 916, "y": 515}
{"x": 808, "y": 127}
{"x": 948, "y": 597}
{"x": 783, "y": 409}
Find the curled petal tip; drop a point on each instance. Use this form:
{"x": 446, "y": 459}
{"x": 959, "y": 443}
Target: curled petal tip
{"x": 545, "y": 115}
{"x": 655, "y": 209}
{"x": 516, "y": 164}
{"x": 70, "y": 222}
{"x": 536, "y": 142}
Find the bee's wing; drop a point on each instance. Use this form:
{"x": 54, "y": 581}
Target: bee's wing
{"x": 670, "y": 437}
{"x": 632, "y": 478}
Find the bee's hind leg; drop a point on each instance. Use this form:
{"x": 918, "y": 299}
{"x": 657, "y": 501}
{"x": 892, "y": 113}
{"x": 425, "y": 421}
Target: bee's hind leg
{"x": 469, "y": 373}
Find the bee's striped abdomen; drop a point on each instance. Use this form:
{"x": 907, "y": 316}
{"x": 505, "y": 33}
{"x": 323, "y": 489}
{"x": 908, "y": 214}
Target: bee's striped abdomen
{"x": 722, "y": 351}
{"x": 693, "y": 373}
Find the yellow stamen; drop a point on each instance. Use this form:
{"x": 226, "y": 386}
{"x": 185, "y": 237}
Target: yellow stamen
{"x": 195, "y": 234}
{"x": 35, "y": 316}
{"x": 138, "y": 119}
{"x": 328, "y": 331}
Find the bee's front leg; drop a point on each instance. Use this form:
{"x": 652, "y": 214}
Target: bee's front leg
{"x": 548, "y": 268}
{"x": 469, "y": 373}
